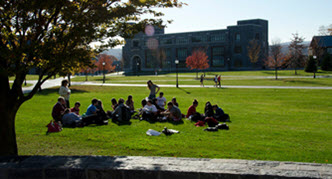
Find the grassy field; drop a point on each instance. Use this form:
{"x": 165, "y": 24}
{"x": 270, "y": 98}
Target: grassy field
{"x": 31, "y": 77}
{"x": 226, "y": 80}
{"x": 264, "y": 73}
{"x": 267, "y": 124}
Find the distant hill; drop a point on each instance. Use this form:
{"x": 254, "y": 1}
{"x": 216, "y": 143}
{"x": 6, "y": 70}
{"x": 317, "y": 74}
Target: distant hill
{"x": 115, "y": 52}
{"x": 286, "y": 44}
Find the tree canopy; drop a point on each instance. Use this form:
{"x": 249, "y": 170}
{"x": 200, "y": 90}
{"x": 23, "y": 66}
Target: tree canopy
{"x": 54, "y": 36}
{"x": 198, "y": 60}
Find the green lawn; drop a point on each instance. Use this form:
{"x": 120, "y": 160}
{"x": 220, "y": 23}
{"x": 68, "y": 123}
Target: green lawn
{"x": 226, "y": 80}
{"x": 31, "y": 77}
{"x": 262, "y": 73}
{"x": 267, "y": 124}
{"x": 28, "y": 84}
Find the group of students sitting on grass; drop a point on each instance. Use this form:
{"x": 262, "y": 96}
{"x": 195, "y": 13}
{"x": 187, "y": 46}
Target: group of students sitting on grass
{"x": 152, "y": 110}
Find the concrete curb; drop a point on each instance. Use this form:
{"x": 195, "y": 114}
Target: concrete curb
{"x": 154, "y": 167}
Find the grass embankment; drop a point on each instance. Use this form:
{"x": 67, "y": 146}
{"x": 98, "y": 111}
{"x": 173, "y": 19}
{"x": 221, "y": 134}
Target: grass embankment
{"x": 267, "y": 124}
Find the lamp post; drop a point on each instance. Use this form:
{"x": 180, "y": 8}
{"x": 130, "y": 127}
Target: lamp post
{"x": 314, "y": 57}
{"x": 103, "y": 72}
{"x": 117, "y": 68}
{"x": 137, "y": 68}
{"x": 176, "y": 65}
{"x": 228, "y": 63}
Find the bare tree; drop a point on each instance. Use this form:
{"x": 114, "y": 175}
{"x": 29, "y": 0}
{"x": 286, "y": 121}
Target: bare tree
{"x": 296, "y": 56}
{"x": 276, "y": 57}
{"x": 325, "y": 30}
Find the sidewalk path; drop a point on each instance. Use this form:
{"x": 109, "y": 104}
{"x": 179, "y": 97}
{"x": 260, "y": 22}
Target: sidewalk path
{"x": 56, "y": 82}
{"x": 206, "y": 86}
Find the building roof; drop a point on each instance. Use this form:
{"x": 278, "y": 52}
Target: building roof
{"x": 323, "y": 41}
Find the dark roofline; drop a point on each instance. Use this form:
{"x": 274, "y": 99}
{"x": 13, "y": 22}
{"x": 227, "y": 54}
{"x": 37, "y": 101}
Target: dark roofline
{"x": 252, "y": 20}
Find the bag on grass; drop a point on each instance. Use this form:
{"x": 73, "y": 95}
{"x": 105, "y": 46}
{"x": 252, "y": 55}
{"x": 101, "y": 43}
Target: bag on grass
{"x": 53, "y": 127}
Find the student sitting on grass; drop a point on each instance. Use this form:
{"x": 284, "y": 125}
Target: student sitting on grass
{"x": 219, "y": 114}
{"x": 149, "y": 111}
{"x": 76, "y": 108}
{"x": 208, "y": 110}
{"x": 114, "y": 103}
{"x": 59, "y": 109}
{"x": 174, "y": 102}
{"x": 161, "y": 100}
{"x": 92, "y": 115}
{"x": 154, "y": 102}
{"x": 100, "y": 110}
{"x": 121, "y": 112}
{"x": 70, "y": 119}
{"x": 173, "y": 112}
{"x": 130, "y": 103}
{"x": 192, "y": 109}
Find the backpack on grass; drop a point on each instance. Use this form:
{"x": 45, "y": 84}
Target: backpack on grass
{"x": 53, "y": 127}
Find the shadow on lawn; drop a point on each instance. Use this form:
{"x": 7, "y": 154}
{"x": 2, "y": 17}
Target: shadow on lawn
{"x": 184, "y": 90}
{"x": 56, "y": 90}
{"x": 303, "y": 82}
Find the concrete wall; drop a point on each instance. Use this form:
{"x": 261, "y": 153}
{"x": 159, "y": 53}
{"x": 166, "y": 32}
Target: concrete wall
{"x": 86, "y": 167}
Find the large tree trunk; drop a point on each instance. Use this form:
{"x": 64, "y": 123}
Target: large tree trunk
{"x": 7, "y": 131}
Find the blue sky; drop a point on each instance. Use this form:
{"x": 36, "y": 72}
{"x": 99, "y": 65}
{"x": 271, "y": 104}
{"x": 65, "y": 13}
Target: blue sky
{"x": 285, "y": 16}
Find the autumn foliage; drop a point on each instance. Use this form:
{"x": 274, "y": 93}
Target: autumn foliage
{"x": 108, "y": 59}
{"x": 198, "y": 60}
{"x": 276, "y": 58}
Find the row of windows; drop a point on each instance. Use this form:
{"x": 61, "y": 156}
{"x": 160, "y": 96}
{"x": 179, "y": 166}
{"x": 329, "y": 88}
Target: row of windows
{"x": 153, "y": 57}
{"x": 185, "y": 40}
{"x": 194, "y": 39}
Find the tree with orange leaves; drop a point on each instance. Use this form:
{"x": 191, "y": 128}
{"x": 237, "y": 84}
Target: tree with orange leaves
{"x": 276, "y": 57}
{"x": 108, "y": 60}
{"x": 198, "y": 60}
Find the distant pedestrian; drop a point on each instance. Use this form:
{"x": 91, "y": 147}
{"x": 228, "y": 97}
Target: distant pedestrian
{"x": 215, "y": 80}
{"x": 64, "y": 91}
{"x": 219, "y": 81}
{"x": 202, "y": 80}
{"x": 152, "y": 87}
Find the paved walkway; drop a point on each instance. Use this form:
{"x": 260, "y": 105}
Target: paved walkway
{"x": 57, "y": 82}
{"x": 155, "y": 167}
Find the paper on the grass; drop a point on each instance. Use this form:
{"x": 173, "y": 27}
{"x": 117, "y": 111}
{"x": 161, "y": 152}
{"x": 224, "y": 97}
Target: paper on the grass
{"x": 152, "y": 132}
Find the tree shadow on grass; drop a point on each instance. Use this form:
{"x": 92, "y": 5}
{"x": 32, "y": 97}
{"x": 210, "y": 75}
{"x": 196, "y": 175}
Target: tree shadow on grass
{"x": 294, "y": 81}
{"x": 184, "y": 90}
{"x": 56, "y": 90}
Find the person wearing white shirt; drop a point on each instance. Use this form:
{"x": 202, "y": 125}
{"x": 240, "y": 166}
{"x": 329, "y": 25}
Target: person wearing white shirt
{"x": 64, "y": 91}
{"x": 161, "y": 100}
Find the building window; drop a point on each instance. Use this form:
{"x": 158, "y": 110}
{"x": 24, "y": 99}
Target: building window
{"x": 135, "y": 43}
{"x": 237, "y": 49}
{"x": 166, "y": 41}
{"x": 237, "y": 37}
{"x": 150, "y": 58}
{"x": 165, "y": 57}
{"x": 257, "y": 36}
{"x": 181, "y": 53}
{"x": 329, "y": 50}
{"x": 217, "y": 37}
{"x": 182, "y": 40}
{"x": 217, "y": 56}
{"x": 198, "y": 38}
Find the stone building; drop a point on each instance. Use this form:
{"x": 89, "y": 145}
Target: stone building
{"x": 227, "y": 49}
